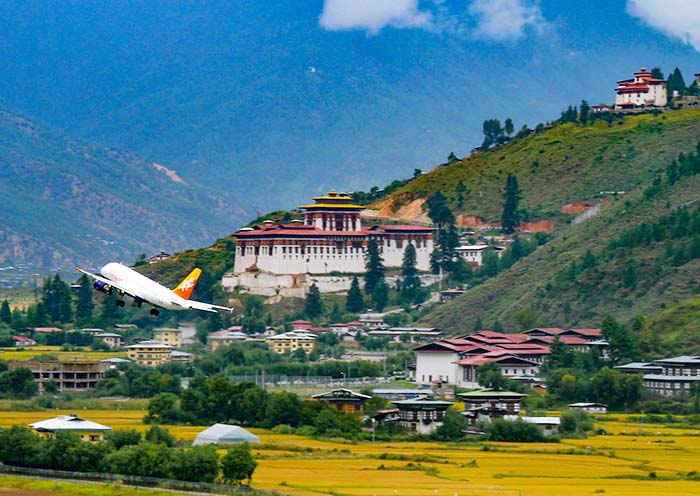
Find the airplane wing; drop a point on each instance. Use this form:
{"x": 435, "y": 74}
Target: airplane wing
{"x": 208, "y": 307}
{"x": 114, "y": 284}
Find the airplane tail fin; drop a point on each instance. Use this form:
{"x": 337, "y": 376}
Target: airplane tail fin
{"x": 185, "y": 288}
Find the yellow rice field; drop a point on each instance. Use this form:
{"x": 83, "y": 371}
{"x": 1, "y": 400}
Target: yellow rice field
{"x": 634, "y": 460}
{"x": 34, "y": 351}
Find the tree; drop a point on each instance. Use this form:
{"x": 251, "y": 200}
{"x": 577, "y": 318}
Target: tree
{"x": 493, "y": 133}
{"x": 354, "y": 303}
{"x": 163, "y": 408}
{"x": 18, "y": 383}
{"x": 675, "y": 83}
{"x": 410, "y": 282}
{"x": 438, "y": 210}
{"x": 585, "y": 112}
{"x": 145, "y": 459}
{"x": 451, "y": 428}
{"x": 123, "y": 437}
{"x": 527, "y": 318}
{"x": 489, "y": 376}
{"x": 57, "y": 299}
{"x": 84, "y": 306}
{"x": 160, "y": 435}
{"x": 374, "y": 267}
{"x": 283, "y": 408}
{"x": 511, "y": 199}
{"x": 198, "y": 464}
{"x": 380, "y": 296}
{"x": 238, "y": 465}
{"x": 313, "y": 307}
{"x": 452, "y": 158}
{"x": 19, "y": 446}
{"x": 5, "y": 313}
{"x": 622, "y": 347}
{"x": 656, "y": 73}
{"x": 461, "y": 191}
{"x": 508, "y": 126}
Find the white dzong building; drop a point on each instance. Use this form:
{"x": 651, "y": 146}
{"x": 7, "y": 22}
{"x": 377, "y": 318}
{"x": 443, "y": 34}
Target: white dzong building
{"x": 284, "y": 259}
{"x": 641, "y": 91}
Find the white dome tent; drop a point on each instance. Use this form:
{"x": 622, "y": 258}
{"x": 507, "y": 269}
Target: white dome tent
{"x": 225, "y": 434}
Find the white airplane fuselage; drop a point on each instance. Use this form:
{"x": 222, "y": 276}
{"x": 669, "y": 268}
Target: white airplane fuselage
{"x": 152, "y": 292}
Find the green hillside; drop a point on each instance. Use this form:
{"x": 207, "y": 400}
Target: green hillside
{"x": 561, "y": 165}
{"x": 645, "y": 251}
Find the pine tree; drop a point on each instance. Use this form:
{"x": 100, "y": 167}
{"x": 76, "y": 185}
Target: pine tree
{"x": 461, "y": 191}
{"x": 5, "y": 313}
{"x": 84, "y": 306}
{"x": 438, "y": 210}
{"x": 656, "y": 73}
{"x": 675, "y": 83}
{"x": 452, "y": 158}
{"x": 511, "y": 199}
{"x": 354, "y": 303}
{"x": 380, "y": 296}
{"x": 585, "y": 112}
{"x": 313, "y": 307}
{"x": 410, "y": 283}
{"x": 374, "y": 267}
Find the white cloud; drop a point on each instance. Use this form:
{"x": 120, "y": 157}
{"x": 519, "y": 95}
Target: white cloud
{"x": 504, "y": 20}
{"x": 373, "y": 15}
{"x": 675, "y": 18}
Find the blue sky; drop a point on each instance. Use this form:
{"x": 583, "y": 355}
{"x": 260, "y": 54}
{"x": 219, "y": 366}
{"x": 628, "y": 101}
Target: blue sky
{"x": 288, "y": 98}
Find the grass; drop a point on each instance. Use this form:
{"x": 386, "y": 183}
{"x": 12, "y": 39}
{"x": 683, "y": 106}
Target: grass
{"x": 541, "y": 281}
{"x": 564, "y": 164}
{"x": 618, "y": 464}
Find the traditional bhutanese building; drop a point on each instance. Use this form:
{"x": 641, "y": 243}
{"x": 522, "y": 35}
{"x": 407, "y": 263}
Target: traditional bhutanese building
{"x": 276, "y": 258}
{"x": 641, "y": 91}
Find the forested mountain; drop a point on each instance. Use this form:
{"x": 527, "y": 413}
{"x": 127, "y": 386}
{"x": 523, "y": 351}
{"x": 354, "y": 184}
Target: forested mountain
{"x": 258, "y": 99}
{"x": 638, "y": 256}
{"x": 67, "y": 202}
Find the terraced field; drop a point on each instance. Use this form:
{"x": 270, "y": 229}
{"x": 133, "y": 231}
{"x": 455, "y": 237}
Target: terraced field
{"x": 634, "y": 459}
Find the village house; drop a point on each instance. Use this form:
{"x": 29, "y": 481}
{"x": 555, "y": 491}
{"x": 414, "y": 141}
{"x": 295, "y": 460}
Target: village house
{"x": 111, "y": 339}
{"x": 643, "y": 90}
{"x": 344, "y": 400}
{"x": 68, "y": 375}
{"x": 168, "y": 336}
{"x": 88, "y": 431}
{"x": 549, "y": 426}
{"x": 407, "y": 334}
{"x": 474, "y": 254}
{"x": 484, "y": 405}
{"x": 421, "y": 415}
{"x": 159, "y": 257}
{"x": 150, "y": 353}
{"x": 668, "y": 376}
{"x": 285, "y": 259}
{"x": 22, "y": 341}
{"x": 225, "y": 337}
{"x": 289, "y": 342}
{"x": 589, "y": 407}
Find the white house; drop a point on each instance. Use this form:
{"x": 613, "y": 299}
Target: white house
{"x": 285, "y": 259}
{"x": 642, "y": 90}
{"x": 474, "y": 254}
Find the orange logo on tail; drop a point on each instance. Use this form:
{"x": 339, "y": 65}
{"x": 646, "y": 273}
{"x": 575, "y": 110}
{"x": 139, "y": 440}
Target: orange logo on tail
{"x": 185, "y": 288}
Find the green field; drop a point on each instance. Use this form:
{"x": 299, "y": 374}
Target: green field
{"x": 632, "y": 459}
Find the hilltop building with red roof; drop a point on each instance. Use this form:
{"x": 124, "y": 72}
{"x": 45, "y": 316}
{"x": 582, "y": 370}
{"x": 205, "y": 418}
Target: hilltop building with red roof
{"x": 285, "y": 259}
{"x": 641, "y": 91}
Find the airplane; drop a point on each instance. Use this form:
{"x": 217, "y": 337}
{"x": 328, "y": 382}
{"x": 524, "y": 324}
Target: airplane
{"x": 127, "y": 282}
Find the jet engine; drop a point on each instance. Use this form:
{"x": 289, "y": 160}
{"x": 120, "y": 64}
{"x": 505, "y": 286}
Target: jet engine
{"x": 102, "y": 287}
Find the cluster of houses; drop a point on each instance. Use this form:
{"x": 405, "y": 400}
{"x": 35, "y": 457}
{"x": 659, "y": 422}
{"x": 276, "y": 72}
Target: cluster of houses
{"x": 303, "y": 334}
{"x": 518, "y": 356}
{"x": 675, "y": 376}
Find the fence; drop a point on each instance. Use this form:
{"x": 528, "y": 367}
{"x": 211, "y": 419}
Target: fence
{"x": 132, "y": 480}
{"x": 282, "y": 380}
